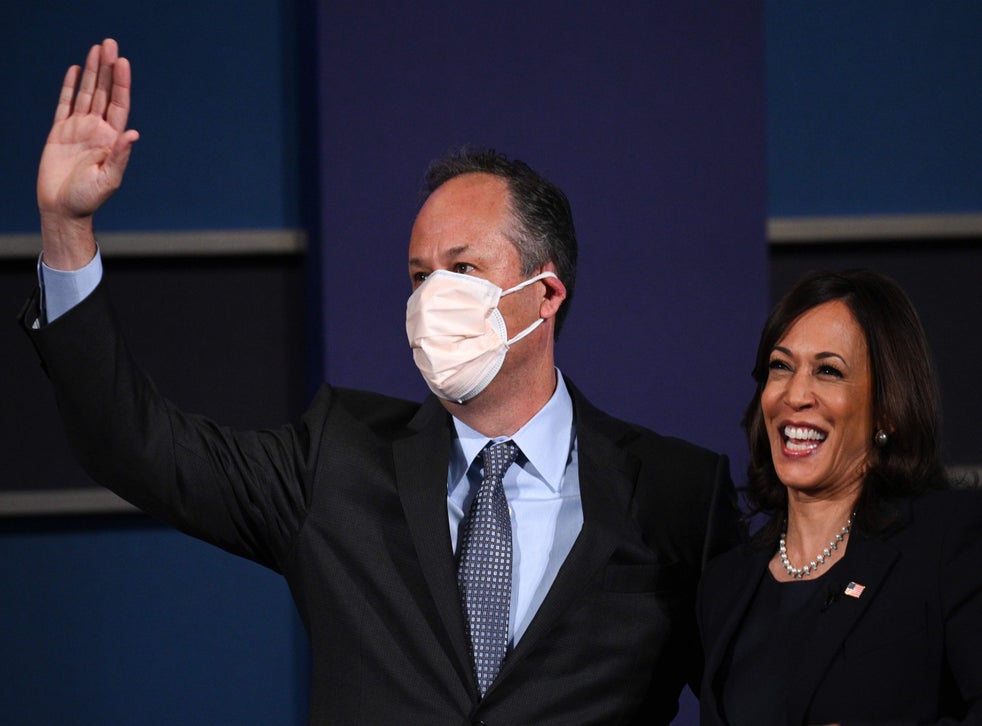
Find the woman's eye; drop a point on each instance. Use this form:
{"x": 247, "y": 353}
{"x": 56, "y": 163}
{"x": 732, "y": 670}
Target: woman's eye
{"x": 827, "y": 370}
{"x": 778, "y": 365}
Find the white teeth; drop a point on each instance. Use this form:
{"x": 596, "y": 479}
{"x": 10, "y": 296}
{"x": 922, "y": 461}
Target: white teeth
{"x": 800, "y": 433}
{"x": 793, "y": 445}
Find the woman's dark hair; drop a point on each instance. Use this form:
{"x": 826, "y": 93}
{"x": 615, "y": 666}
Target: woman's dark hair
{"x": 905, "y": 399}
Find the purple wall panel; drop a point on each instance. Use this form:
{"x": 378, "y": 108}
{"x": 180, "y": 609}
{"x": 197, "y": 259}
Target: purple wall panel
{"x": 651, "y": 118}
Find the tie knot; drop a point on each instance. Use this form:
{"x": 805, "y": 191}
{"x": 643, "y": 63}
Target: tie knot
{"x": 498, "y": 457}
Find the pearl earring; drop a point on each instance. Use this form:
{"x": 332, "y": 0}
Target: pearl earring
{"x": 881, "y": 438}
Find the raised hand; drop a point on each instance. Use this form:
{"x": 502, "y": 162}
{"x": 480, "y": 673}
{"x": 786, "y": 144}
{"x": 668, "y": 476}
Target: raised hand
{"x": 85, "y": 155}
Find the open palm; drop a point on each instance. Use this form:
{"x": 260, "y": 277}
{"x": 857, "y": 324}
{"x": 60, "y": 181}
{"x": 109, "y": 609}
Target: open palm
{"x": 88, "y": 147}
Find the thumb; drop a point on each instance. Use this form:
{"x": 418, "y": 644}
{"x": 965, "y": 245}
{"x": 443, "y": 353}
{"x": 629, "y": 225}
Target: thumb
{"x": 119, "y": 156}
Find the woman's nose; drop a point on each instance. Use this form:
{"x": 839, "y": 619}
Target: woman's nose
{"x": 799, "y": 393}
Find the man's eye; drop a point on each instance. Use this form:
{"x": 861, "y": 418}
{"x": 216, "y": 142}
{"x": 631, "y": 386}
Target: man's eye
{"x": 419, "y": 277}
{"x": 463, "y": 268}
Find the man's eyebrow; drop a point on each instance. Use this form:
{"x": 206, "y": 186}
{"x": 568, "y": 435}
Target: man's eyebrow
{"x": 451, "y": 253}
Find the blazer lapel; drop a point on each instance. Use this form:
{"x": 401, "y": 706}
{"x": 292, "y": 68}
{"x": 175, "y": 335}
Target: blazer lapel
{"x": 740, "y": 583}
{"x": 421, "y": 461}
{"x": 607, "y": 477}
{"x": 867, "y": 563}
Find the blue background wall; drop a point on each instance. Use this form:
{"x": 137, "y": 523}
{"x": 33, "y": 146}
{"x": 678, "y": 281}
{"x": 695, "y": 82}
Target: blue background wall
{"x": 651, "y": 117}
{"x": 118, "y": 620}
{"x": 873, "y": 107}
{"x": 214, "y": 99}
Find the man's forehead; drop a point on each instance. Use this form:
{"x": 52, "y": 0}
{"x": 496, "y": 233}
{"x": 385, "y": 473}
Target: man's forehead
{"x": 467, "y": 215}
{"x": 470, "y": 193}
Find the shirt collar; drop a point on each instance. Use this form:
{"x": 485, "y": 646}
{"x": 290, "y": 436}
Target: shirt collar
{"x": 536, "y": 439}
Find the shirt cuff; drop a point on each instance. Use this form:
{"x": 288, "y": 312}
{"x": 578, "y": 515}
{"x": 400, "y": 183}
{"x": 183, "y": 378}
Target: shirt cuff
{"x": 62, "y": 290}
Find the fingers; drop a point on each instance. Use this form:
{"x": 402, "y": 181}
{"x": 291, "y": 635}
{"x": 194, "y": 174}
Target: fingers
{"x": 110, "y": 51}
{"x": 119, "y": 103}
{"x": 109, "y": 54}
{"x": 83, "y": 101}
{"x": 104, "y": 89}
{"x": 64, "y": 108}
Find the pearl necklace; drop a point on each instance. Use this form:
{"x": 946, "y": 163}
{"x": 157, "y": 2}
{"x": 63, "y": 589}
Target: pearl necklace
{"x": 799, "y": 572}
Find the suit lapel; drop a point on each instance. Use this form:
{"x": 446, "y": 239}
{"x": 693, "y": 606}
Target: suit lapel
{"x": 607, "y": 476}
{"x": 740, "y": 584}
{"x": 867, "y": 563}
{"x": 421, "y": 462}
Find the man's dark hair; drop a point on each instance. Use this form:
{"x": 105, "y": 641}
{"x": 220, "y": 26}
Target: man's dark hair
{"x": 544, "y": 230}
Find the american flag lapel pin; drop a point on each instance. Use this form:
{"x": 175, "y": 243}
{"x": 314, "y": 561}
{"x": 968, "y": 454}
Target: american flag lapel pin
{"x": 854, "y": 589}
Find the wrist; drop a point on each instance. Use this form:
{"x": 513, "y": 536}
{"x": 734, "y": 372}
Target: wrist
{"x": 68, "y": 242}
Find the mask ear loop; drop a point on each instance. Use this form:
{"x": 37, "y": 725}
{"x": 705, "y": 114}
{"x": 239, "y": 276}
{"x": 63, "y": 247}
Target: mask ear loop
{"x": 525, "y": 332}
{"x": 521, "y": 286}
{"x": 530, "y": 281}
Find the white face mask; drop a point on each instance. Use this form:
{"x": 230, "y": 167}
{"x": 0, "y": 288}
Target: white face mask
{"x": 457, "y": 334}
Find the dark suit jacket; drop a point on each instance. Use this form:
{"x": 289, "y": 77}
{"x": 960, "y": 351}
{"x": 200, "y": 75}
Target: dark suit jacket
{"x": 908, "y": 650}
{"x": 350, "y": 506}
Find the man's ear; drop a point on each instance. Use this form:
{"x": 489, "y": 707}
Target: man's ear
{"x": 555, "y": 293}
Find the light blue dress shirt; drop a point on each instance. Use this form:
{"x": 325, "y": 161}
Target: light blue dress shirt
{"x": 542, "y": 487}
{"x": 543, "y": 491}
{"x": 61, "y": 291}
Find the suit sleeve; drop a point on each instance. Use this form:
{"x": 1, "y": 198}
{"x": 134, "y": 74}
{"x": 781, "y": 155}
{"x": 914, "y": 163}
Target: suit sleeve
{"x": 243, "y": 491}
{"x": 961, "y": 599}
{"x": 693, "y": 520}
{"x": 724, "y": 524}
{"x": 724, "y": 530}
{"x": 960, "y": 583}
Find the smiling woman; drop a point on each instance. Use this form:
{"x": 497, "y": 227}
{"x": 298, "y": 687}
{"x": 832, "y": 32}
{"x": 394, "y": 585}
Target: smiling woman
{"x": 867, "y": 350}
{"x": 816, "y": 404}
{"x": 868, "y": 561}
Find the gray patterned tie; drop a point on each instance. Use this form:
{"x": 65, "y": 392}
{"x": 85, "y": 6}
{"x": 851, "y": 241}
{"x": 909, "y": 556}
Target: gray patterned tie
{"x": 484, "y": 572}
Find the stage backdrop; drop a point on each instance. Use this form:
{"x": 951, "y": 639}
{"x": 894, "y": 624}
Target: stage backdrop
{"x": 649, "y": 115}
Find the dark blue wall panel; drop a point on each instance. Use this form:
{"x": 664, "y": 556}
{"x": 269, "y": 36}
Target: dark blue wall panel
{"x": 131, "y": 623}
{"x": 111, "y": 621}
{"x": 214, "y": 98}
{"x": 874, "y": 107}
